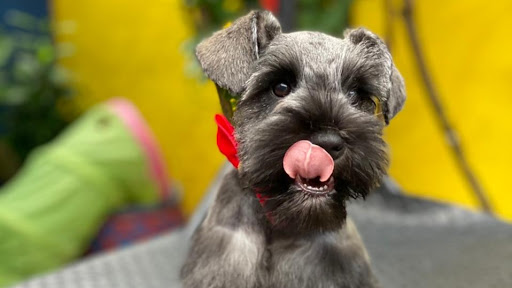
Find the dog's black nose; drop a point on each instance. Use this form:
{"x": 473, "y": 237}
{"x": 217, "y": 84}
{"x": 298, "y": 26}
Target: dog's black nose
{"x": 330, "y": 141}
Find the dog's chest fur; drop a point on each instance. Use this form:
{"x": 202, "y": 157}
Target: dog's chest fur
{"x": 235, "y": 248}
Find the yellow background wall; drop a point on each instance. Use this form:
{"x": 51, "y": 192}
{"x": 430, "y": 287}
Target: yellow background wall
{"x": 135, "y": 49}
{"x": 468, "y": 51}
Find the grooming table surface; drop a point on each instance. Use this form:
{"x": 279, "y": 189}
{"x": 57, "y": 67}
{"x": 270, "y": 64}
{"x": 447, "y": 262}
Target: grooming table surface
{"x": 412, "y": 243}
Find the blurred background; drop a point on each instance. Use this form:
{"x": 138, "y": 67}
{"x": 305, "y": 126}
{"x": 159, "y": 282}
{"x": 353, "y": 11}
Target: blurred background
{"x": 451, "y": 143}
{"x": 75, "y": 54}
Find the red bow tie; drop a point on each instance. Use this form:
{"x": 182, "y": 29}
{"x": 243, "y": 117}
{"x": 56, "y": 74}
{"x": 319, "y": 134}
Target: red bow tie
{"x": 226, "y": 140}
{"x": 228, "y": 146}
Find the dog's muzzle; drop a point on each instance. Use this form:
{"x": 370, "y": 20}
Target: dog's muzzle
{"x": 311, "y": 167}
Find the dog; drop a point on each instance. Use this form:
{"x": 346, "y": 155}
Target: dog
{"x": 309, "y": 126}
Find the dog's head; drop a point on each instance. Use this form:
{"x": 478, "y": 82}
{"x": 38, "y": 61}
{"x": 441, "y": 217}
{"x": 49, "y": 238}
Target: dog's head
{"x": 310, "y": 118}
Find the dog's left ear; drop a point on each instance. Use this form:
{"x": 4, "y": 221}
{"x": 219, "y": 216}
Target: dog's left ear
{"x": 375, "y": 49}
{"x": 396, "y": 98}
{"x": 226, "y": 57}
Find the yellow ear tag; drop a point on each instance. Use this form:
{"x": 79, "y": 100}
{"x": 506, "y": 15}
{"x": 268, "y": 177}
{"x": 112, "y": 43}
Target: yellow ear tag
{"x": 378, "y": 108}
{"x": 228, "y": 102}
{"x": 226, "y": 25}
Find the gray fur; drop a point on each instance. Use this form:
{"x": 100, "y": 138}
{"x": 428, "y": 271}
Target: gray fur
{"x": 296, "y": 239}
{"x": 227, "y": 56}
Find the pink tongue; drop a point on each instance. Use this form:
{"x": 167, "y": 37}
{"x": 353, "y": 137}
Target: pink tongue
{"x": 308, "y": 161}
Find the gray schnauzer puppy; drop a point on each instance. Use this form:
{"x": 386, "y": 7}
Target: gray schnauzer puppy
{"x": 309, "y": 129}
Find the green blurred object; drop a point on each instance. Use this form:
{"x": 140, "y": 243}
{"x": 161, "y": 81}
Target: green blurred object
{"x": 207, "y": 16}
{"x": 53, "y": 207}
{"x": 328, "y": 16}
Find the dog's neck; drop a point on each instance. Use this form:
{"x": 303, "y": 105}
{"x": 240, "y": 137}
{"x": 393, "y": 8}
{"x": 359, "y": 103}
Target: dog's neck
{"x": 228, "y": 145}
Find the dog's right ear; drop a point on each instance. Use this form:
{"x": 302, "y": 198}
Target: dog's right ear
{"x": 373, "y": 49}
{"x": 226, "y": 57}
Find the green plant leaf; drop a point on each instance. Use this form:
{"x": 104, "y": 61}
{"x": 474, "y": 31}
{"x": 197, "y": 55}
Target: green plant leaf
{"x": 45, "y": 53}
{"x": 6, "y": 49}
{"x": 21, "y": 20}
{"x": 16, "y": 95}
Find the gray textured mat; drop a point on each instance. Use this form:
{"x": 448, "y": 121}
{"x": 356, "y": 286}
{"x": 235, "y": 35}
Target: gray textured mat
{"x": 412, "y": 243}
{"x": 417, "y": 243}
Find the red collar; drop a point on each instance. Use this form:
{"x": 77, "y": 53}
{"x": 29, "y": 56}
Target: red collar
{"x": 228, "y": 146}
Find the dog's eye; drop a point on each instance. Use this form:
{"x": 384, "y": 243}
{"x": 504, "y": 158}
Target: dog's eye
{"x": 281, "y": 89}
{"x": 372, "y": 105}
{"x": 368, "y": 105}
{"x": 365, "y": 102}
{"x": 354, "y": 96}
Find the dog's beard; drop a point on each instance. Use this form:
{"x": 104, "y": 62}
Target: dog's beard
{"x": 359, "y": 169}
